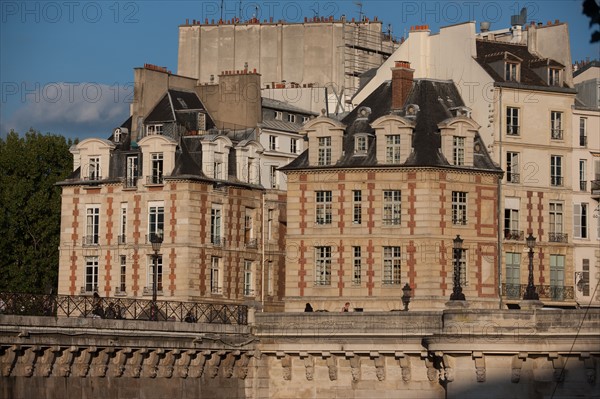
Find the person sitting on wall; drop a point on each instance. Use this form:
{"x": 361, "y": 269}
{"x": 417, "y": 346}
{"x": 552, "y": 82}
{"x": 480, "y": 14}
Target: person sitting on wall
{"x": 346, "y": 307}
{"x": 308, "y": 308}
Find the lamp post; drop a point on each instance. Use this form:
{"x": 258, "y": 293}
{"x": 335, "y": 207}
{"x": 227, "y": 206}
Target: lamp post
{"x": 406, "y": 291}
{"x": 530, "y": 293}
{"x": 457, "y": 294}
{"x": 156, "y": 240}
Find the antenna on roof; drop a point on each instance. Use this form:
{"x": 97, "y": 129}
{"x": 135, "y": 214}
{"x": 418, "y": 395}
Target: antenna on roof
{"x": 360, "y": 13}
{"x": 222, "y": 1}
{"x": 389, "y": 30}
{"x": 315, "y": 12}
{"x": 240, "y": 10}
{"x": 520, "y": 19}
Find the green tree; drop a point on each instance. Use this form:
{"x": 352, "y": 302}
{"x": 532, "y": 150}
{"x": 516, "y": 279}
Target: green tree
{"x": 30, "y": 167}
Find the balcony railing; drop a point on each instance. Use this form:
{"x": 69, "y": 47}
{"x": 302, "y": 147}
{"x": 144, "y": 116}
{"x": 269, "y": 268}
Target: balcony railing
{"x": 252, "y": 243}
{"x": 513, "y": 177}
{"x": 130, "y": 182}
{"x": 119, "y": 308}
{"x": 583, "y": 141}
{"x": 321, "y": 283}
{"x": 556, "y": 180}
{"x": 557, "y": 134}
{"x": 514, "y": 235}
{"x": 217, "y": 241}
{"x": 122, "y": 239}
{"x": 248, "y": 292}
{"x": 156, "y": 180}
{"x": 512, "y": 130}
{"x": 595, "y": 188}
{"x": 148, "y": 290}
{"x": 558, "y": 237}
{"x": 546, "y": 292}
{"x": 390, "y": 282}
{"x": 90, "y": 240}
{"x": 582, "y": 185}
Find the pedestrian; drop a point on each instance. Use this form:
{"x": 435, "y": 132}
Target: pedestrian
{"x": 346, "y": 307}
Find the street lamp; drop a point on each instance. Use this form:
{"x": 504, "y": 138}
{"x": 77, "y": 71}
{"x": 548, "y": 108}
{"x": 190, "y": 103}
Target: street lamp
{"x": 530, "y": 293}
{"x": 406, "y": 290}
{"x": 156, "y": 240}
{"x": 457, "y": 294}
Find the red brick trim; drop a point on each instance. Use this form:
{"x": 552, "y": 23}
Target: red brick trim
{"x": 302, "y": 268}
{"x": 303, "y": 201}
{"x": 412, "y": 211}
{"x": 370, "y": 268}
{"x": 107, "y": 268}
{"x": 172, "y": 274}
{"x": 173, "y": 221}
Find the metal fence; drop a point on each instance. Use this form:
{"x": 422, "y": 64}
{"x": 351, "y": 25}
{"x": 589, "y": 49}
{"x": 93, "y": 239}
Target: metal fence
{"x": 545, "y": 292}
{"x": 121, "y": 308}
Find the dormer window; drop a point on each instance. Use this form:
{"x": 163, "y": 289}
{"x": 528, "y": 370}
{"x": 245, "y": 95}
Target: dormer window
{"x": 324, "y": 151}
{"x": 458, "y": 151}
{"x": 201, "y": 121}
{"x": 305, "y": 119}
{"x": 553, "y": 77}
{"x": 278, "y": 115}
{"x": 511, "y": 70}
{"x": 360, "y": 144}
{"x": 291, "y": 118}
{"x": 117, "y": 135}
{"x": 154, "y": 129}
{"x": 392, "y": 148}
{"x": 94, "y": 170}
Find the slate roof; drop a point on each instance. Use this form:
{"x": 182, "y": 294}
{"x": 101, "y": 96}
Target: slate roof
{"x": 281, "y": 125}
{"x": 435, "y": 98}
{"x": 175, "y": 105}
{"x": 283, "y": 106}
{"x": 587, "y": 66}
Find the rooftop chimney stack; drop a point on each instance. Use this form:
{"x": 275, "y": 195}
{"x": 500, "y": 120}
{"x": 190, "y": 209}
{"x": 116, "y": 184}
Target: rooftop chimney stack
{"x": 402, "y": 81}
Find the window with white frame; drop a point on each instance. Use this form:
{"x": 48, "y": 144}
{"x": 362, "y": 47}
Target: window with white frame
{"x": 323, "y": 207}
{"x": 356, "y": 265}
{"x": 305, "y": 119}
{"x": 582, "y": 175}
{"x": 123, "y": 274}
{"x": 155, "y": 261}
{"x": 513, "y": 274}
{"x": 216, "y": 224}
{"x": 94, "y": 168}
{"x": 391, "y": 265}
{"x": 391, "y": 207}
{"x": 557, "y": 277}
{"x": 216, "y": 275}
{"x": 201, "y": 121}
{"x": 156, "y": 172}
{"x": 273, "y": 143}
{"x": 556, "y": 220}
{"x": 324, "y": 151}
{"x": 249, "y": 238}
{"x": 92, "y": 227}
{"x": 154, "y": 129}
{"x": 556, "y": 125}
{"x": 583, "y": 283}
{"x": 156, "y": 218}
{"x": 131, "y": 174}
{"x": 91, "y": 274}
{"x": 122, "y": 239}
{"x": 392, "y": 149}
{"x": 270, "y": 213}
{"x": 582, "y": 132}
{"x": 356, "y": 206}
{"x": 511, "y": 219}
{"x": 512, "y": 121}
{"x": 580, "y": 220}
{"x": 556, "y": 172}
{"x": 278, "y": 115}
{"x": 553, "y": 77}
{"x": 511, "y": 71}
{"x": 294, "y": 146}
{"x": 462, "y": 266}
{"x": 291, "y": 118}
{"x": 459, "y": 208}
{"x": 458, "y": 150}
{"x": 217, "y": 168}
{"x": 270, "y": 279}
{"x": 274, "y": 176}
{"x": 360, "y": 144}
{"x": 512, "y": 167}
{"x": 248, "y": 278}
{"x": 323, "y": 265}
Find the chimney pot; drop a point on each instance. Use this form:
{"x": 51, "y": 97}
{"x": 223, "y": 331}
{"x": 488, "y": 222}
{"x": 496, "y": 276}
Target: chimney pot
{"x": 402, "y": 81}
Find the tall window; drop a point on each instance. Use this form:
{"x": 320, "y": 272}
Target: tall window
{"x": 323, "y": 211}
{"x": 91, "y": 274}
{"x": 582, "y": 175}
{"x": 392, "y": 148}
{"x": 122, "y": 239}
{"x": 458, "y": 150}
{"x": 293, "y": 146}
{"x": 582, "y": 132}
{"x": 94, "y": 171}
{"x": 322, "y": 265}
{"x": 156, "y": 218}
{"x": 216, "y": 222}
{"x": 249, "y": 239}
{"x": 556, "y": 172}
{"x": 512, "y": 121}
{"x": 580, "y": 222}
{"x": 270, "y": 224}
{"x": 201, "y": 119}
{"x": 557, "y": 277}
{"x": 511, "y": 224}
{"x": 273, "y": 176}
{"x": 356, "y": 206}
{"x": 556, "y": 125}
{"x": 356, "y": 265}
{"x": 324, "y": 151}
{"x": 391, "y": 265}
{"x": 513, "y": 274}
{"x": 216, "y": 275}
{"x": 510, "y": 72}
{"x": 272, "y": 143}
{"x": 92, "y": 225}
{"x": 459, "y": 208}
{"x": 270, "y": 279}
{"x": 360, "y": 144}
{"x": 248, "y": 278}
{"x": 391, "y": 207}
{"x": 217, "y": 168}
{"x": 512, "y": 167}
{"x": 131, "y": 174}
{"x": 462, "y": 267}
{"x": 157, "y": 168}
{"x": 556, "y": 221}
{"x": 123, "y": 275}
{"x": 159, "y": 273}
{"x": 584, "y": 280}
{"x": 553, "y": 77}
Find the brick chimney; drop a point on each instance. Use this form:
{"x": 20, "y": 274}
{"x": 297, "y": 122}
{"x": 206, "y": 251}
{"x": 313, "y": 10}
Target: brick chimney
{"x": 402, "y": 81}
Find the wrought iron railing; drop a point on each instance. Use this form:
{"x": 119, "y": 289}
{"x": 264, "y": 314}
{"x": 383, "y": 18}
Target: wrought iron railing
{"x": 119, "y": 308}
{"x": 514, "y": 235}
{"x": 512, "y": 177}
{"x": 558, "y": 237}
{"x": 546, "y": 292}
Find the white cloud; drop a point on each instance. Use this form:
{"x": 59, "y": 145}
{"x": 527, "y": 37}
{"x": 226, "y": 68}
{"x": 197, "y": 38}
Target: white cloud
{"x": 72, "y": 109}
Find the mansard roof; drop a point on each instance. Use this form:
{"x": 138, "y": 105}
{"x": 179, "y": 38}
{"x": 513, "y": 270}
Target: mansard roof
{"x": 175, "y": 105}
{"x": 435, "y": 100}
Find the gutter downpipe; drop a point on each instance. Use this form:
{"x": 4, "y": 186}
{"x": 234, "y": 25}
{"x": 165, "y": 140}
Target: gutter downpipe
{"x": 499, "y": 253}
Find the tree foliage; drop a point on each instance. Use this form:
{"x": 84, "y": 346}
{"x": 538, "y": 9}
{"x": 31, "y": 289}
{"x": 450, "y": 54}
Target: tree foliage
{"x": 591, "y": 9}
{"x": 30, "y": 167}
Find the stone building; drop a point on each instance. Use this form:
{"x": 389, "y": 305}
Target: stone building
{"x": 379, "y": 196}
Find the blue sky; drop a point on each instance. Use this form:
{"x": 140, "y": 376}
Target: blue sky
{"x": 66, "y": 67}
